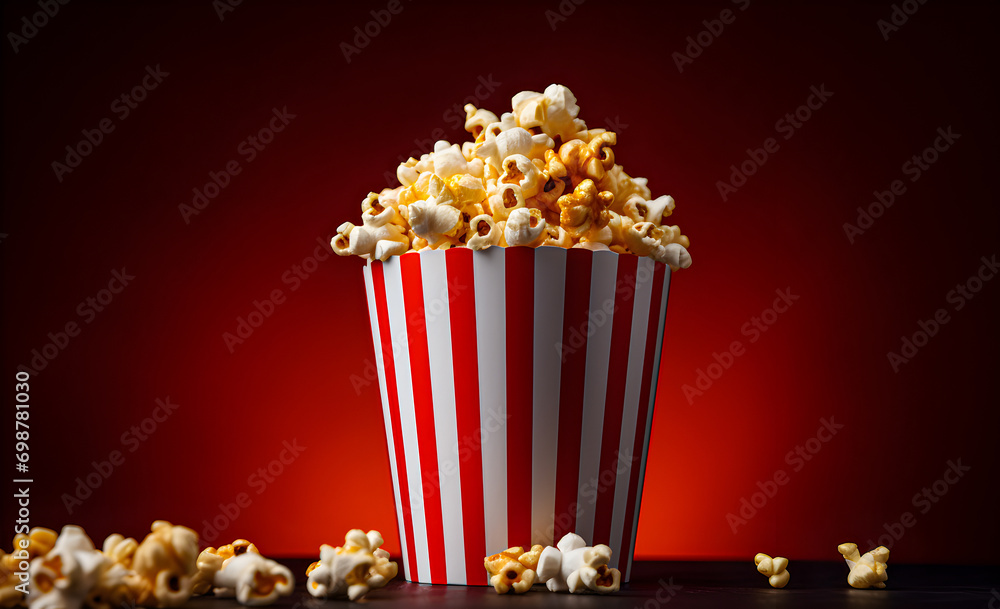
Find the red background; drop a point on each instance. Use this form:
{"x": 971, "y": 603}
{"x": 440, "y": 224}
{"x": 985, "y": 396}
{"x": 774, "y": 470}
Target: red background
{"x": 292, "y": 378}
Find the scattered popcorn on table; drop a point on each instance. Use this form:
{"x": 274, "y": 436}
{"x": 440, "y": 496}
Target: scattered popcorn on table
{"x": 166, "y": 564}
{"x": 532, "y": 177}
{"x": 239, "y": 570}
{"x": 513, "y": 569}
{"x": 212, "y": 560}
{"x": 37, "y": 542}
{"x": 353, "y": 570}
{"x": 776, "y": 569}
{"x": 64, "y": 576}
{"x": 868, "y": 570}
{"x": 253, "y": 579}
{"x": 575, "y": 567}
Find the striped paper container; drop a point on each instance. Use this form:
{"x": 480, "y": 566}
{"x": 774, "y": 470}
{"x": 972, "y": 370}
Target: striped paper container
{"x": 517, "y": 389}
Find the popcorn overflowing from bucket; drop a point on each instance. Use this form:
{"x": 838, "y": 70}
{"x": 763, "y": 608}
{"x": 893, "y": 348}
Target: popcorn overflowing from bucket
{"x": 534, "y": 176}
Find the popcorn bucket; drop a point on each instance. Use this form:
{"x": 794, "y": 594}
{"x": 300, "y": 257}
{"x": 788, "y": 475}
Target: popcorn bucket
{"x": 517, "y": 389}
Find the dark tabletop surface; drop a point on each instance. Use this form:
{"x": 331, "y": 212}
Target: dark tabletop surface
{"x": 671, "y": 585}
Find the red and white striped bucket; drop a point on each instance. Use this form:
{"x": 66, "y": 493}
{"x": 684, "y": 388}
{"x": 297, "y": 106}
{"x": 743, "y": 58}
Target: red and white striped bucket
{"x": 517, "y": 388}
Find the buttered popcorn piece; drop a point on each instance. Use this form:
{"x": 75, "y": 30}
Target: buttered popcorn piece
{"x": 352, "y": 570}
{"x": 868, "y": 570}
{"x": 572, "y": 566}
{"x": 65, "y": 575}
{"x": 776, "y": 569}
{"x": 540, "y": 156}
{"x": 239, "y": 570}
{"x": 513, "y": 569}
{"x": 166, "y": 564}
{"x": 212, "y": 560}
{"x": 253, "y": 579}
{"x": 37, "y": 542}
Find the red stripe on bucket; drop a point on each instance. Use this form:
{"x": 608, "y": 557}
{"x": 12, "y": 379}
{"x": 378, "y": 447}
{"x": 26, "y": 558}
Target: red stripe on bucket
{"x": 462, "y": 309}
{"x": 385, "y": 334}
{"x": 519, "y": 265}
{"x": 614, "y": 403}
{"x": 656, "y": 299}
{"x": 423, "y": 405}
{"x": 574, "y": 364}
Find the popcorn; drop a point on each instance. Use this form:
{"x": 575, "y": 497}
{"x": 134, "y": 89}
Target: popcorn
{"x": 477, "y": 119}
{"x": 485, "y": 232}
{"x": 584, "y": 208}
{"x": 774, "y": 568}
{"x": 553, "y": 111}
{"x": 524, "y": 227}
{"x": 868, "y": 570}
{"x": 518, "y": 169}
{"x": 590, "y": 160}
{"x": 540, "y": 157}
{"x": 166, "y": 564}
{"x": 211, "y": 561}
{"x": 513, "y": 569}
{"x": 575, "y": 567}
{"x": 65, "y": 575}
{"x": 353, "y": 570}
{"x": 37, "y": 542}
{"x": 253, "y": 579}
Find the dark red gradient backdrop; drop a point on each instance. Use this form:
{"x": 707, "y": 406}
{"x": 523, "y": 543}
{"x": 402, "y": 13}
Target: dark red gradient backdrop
{"x": 300, "y": 377}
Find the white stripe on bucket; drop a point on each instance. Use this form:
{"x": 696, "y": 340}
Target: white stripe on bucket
{"x": 407, "y": 412}
{"x": 630, "y": 412}
{"x": 550, "y": 292}
{"x": 380, "y": 366}
{"x": 649, "y": 416}
{"x": 491, "y": 328}
{"x": 602, "y": 299}
{"x": 436, "y": 314}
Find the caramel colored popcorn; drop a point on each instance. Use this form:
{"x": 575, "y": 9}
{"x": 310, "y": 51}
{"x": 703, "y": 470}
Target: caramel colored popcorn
{"x": 540, "y": 158}
{"x": 39, "y": 541}
{"x": 513, "y": 569}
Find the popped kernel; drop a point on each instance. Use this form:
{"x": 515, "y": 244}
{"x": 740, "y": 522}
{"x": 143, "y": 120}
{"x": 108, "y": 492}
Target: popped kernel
{"x": 775, "y": 569}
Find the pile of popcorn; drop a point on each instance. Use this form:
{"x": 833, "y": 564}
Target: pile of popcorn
{"x": 535, "y": 176}
{"x": 66, "y": 571}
